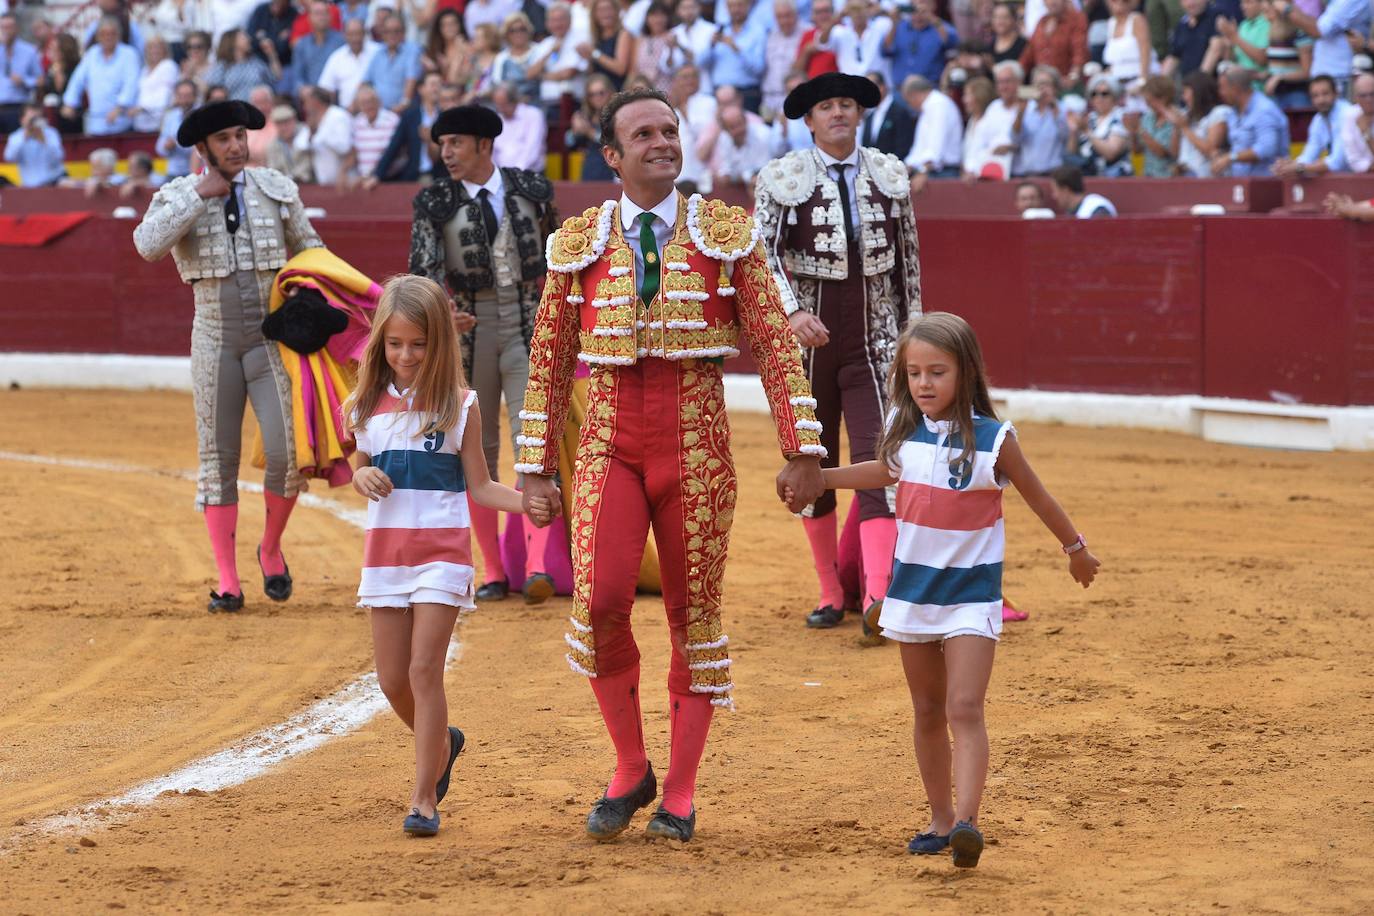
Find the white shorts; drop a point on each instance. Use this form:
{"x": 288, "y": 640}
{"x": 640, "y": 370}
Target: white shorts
{"x": 939, "y": 637}
{"x": 419, "y": 596}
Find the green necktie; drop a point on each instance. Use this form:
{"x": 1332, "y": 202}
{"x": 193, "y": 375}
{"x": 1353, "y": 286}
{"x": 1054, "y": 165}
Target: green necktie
{"x": 648, "y": 245}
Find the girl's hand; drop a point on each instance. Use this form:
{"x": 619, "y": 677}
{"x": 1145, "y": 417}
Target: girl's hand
{"x": 540, "y": 510}
{"x": 1083, "y": 567}
{"x": 372, "y": 483}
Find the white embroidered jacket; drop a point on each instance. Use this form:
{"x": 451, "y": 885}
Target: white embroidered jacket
{"x": 274, "y": 227}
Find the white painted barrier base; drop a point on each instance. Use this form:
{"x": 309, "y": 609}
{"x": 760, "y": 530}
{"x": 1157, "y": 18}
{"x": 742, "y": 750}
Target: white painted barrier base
{"x": 1237, "y": 422}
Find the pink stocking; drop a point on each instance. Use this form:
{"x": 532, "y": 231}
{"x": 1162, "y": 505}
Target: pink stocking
{"x": 485, "y": 523}
{"x": 278, "y": 512}
{"x": 821, "y": 533}
{"x": 222, "y": 522}
{"x": 879, "y": 539}
{"x": 536, "y": 547}
{"x": 618, "y": 697}
{"x": 689, "y": 723}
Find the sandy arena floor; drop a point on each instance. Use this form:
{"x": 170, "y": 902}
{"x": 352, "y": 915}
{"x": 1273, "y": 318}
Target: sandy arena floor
{"x": 1192, "y": 734}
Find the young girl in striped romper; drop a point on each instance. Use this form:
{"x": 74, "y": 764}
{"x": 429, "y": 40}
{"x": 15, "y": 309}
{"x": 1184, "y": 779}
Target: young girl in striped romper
{"x": 950, "y": 457}
{"x": 419, "y": 461}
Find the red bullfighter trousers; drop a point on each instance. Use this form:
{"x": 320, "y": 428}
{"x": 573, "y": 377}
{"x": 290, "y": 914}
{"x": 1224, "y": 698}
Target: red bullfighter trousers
{"x": 655, "y": 450}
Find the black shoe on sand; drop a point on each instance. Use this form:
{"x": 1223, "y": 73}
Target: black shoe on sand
{"x": 610, "y": 816}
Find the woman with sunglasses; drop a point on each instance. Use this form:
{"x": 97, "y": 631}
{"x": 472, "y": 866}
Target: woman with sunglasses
{"x": 1099, "y": 137}
{"x": 513, "y": 64}
{"x": 177, "y": 20}
{"x": 197, "y": 63}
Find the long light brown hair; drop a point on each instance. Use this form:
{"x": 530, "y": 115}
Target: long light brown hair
{"x": 440, "y": 385}
{"x": 950, "y": 334}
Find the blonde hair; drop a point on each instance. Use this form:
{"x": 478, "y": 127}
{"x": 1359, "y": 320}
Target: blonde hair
{"x": 952, "y": 335}
{"x": 440, "y": 386}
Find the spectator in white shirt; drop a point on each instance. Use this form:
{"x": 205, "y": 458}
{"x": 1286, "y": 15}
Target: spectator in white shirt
{"x": 696, "y": 117}
{"x": 373, "y": 126}
{"x": 328, "y": 135}
{"x": 780, "y": 54}
{"x": 998, "y": 121}
{"x": 787, "y": 134}
{"x": 524, "y": 132}
{"x": 834, "y": 41}
{"x": 1356, "y": 141}
{"x": 983, "y": 136}
{"x": 343, "y": 71}
{"x": 870, "y": 31}
{"x": 937, "y": 148}
{"x": 742, "y": 149}
{"x": 487, "y": 12}
{"x": 155, "y": 84}
{"x": 557, "y": 65}
{"x": 695, "y": 35}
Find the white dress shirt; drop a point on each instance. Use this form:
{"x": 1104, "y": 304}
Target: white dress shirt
{"x": 664, "y": 224}
{"x": 870, "y": 50}
{"x": 695, "y": 122}
{"x": 939, "y": 137}
{"x": 328, "y": 144}
{"x": 496, "y": 192}
{"x": 558, "y": 55}
{"x": 1359, "y": 157}
{"x": 343, "y": 71}
{"x": 851, "y": 162}
{"x": 697, "y": 38}
{"x": 524, "y": 139}
{"x": 742, "y": 163}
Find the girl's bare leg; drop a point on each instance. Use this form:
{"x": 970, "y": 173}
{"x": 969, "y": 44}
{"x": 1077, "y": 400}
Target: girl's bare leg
{"x": 968, "y": 663}
{"x": 924, "y": 665}
{"x": 432, "y": 630}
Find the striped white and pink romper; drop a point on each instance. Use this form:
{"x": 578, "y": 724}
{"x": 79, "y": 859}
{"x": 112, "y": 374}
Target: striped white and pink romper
{"x": 947, "y": 572}
{"x": 419, "y": 547}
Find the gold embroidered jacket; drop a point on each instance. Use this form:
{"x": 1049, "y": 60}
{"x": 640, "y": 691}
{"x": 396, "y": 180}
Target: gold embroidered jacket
{"x": 714, "y": 283}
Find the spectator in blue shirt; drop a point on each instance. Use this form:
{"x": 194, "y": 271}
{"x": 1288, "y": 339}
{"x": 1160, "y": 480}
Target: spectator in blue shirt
{"x": 919, "y": 45}
{"x": 395, "y": 68}
{"x": 1323, "y": 152}
{"x": 1258, "y": 130}
{"x": 129, "y": 32}
{"x": 108, "y": 75}
{"x": 36, "y": 148}
{"x": 736, "y": 56}
{"x": 313, "y": 49}
{"x": 178, "y": 158}
{"x": 21, "y": 70}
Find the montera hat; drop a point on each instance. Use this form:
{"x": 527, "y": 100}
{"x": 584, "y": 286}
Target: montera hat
{"x": 830, "y": 86}
{"x": 212, "y": 118}
{"x": 473, "y": 120}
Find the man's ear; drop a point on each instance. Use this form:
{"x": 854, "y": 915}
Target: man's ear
{"x": 612, "y": 157}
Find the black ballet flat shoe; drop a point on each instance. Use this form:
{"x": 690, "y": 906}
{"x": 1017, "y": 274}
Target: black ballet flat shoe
{"x": 229, "y": 603}
{"x": 966, "y": 842}
{"x": 538, "y": 588}
{"x": 493, "y": 591}
{"x": 872, "y": 633}
{"x": 610, "y": 816}
{"x": 665, "y": 826}
{"x": 824, "y": 618}
{"x": 455, "y": 747}
{"x": 416, "y": 824}
{"x": 277, "y": 587}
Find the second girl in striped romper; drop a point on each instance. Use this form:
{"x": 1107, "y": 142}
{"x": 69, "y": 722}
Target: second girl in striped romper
{"x": 950, "y": 458}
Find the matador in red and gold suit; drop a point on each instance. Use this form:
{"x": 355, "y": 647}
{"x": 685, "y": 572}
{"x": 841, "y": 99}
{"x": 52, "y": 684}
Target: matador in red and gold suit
{"x": 654, "y": 300}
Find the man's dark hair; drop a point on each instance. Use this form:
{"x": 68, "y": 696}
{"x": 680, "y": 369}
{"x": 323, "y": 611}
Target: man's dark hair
{"x": 619, "y": 101}
{"x": 1330, "y": 82}
{"x": 1068, "y": 176}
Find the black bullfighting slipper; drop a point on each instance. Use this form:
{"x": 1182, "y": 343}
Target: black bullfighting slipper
{"x": 228, "y": 602}
{"x": 538, "y": 588}
{"x": 277, "y": 587}
{"x": 610, "y": 816}
{"x": 455, "y": 747}
{"x": 665, "y": 826}
{"x": 823, "y": 618}
{"x": 493, "y": 591}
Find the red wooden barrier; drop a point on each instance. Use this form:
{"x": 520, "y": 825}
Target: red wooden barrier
{"x": 1236, "y": 307}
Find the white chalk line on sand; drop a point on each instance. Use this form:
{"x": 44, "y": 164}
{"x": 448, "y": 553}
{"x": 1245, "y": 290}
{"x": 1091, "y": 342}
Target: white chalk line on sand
{"x": 345, "y": 711}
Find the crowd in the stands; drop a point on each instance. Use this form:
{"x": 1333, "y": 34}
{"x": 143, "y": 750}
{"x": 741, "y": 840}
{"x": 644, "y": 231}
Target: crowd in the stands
{"x": 975, "y": 89}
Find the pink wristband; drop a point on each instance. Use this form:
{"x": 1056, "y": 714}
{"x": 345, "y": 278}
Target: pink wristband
{"x": 1076, "y": 546}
